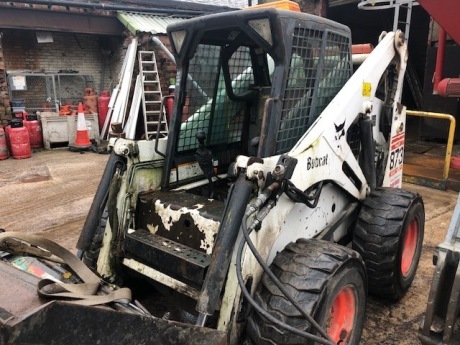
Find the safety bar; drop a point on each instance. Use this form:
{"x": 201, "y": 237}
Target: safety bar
{"x": 450, "y": 138}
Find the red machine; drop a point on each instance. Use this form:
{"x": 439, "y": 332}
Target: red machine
{"x": 447, "y": 18}
{"x": 441, "y": 315}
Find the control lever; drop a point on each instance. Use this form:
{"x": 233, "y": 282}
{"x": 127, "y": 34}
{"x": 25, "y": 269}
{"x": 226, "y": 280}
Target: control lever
{"x": 204, "y": 159}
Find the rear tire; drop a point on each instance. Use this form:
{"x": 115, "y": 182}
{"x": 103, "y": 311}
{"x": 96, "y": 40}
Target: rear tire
{"x": 389, "y": 236}
{"x": 327, "y": 280}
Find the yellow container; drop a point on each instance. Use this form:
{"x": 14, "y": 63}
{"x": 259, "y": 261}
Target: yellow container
{"x": 281, "y": 5}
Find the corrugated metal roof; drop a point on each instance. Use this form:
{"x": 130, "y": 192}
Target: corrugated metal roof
{"x": 145, "y": 22}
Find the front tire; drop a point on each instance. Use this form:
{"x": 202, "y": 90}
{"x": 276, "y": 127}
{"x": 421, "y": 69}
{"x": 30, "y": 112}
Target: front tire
{"x": 327, "y": 280}
{"x": 389, "y": 236}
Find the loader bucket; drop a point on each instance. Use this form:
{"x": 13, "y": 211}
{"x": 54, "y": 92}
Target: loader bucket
{"x": 439, "y": 324}
{"x": 443, "y": 305}
{"x": 25, "y": 319}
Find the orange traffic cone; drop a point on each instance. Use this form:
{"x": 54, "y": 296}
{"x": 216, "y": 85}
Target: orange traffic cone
{"x": 82, "y": 139}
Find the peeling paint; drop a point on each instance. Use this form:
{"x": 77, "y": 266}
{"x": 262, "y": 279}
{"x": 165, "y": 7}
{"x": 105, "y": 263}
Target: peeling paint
{"x": 209, "y": 228}
{"x": 167, "y": 215}
{"x": 170, "y": 217}
{"x": 152, "y": 228}
{"x": 103, "y": 261}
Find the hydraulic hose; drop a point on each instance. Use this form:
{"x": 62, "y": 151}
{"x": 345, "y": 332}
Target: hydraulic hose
{"x": 326, "y": 339}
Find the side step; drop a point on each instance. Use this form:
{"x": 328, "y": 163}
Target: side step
{"x": 176, "y": 260}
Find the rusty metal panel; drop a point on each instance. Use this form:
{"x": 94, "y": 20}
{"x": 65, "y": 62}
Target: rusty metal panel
{"x": 14, "y": 18}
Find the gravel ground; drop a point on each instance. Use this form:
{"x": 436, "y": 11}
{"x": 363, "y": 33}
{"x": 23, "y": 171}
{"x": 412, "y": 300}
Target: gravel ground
{"x": 50, "y": 194}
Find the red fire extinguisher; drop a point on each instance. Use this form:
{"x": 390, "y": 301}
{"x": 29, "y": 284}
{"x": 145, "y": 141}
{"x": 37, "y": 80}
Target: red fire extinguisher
{"x": 18, "y": 137}
{"x": 103, "y": 106}
{"x": 170, "y": 103}
{"x": 34, "y": 127}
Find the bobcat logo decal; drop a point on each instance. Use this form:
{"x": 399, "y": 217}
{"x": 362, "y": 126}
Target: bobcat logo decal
{"x": 339, "y": 131}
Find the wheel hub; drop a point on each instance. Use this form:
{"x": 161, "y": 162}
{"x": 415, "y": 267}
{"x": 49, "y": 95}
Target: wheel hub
{"x": 342, "y": 316}
{"x": 409, "y": 247}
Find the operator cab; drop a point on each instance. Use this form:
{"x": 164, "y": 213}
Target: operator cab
{"x": 250, "y": 84}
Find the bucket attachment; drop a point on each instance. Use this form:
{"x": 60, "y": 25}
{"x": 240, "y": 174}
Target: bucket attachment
{"x": 26, "y": 319}
{"x": 443, "y": 306}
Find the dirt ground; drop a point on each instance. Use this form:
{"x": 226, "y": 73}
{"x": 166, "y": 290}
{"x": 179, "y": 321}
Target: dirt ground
{"x": 50, "y": 194}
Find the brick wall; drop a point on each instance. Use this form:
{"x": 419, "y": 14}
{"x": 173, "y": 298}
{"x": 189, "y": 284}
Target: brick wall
{"x": 5, "y": 113}
{"x": 96, "y": 56}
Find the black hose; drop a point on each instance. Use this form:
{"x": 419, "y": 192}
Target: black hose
{"x": 326, "y": 340}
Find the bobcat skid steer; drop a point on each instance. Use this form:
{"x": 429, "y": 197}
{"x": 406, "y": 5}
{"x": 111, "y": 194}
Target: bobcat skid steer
{"x": 273, "y": 205}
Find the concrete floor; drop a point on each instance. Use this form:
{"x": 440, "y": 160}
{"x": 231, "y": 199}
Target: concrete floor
{"x": 50, "y": 194}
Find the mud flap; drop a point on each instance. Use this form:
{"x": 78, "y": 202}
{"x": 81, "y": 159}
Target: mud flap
{"x": 27, "y": 319}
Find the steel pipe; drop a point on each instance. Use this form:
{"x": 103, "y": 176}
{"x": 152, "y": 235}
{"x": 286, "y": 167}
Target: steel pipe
{"x": 439, "y": 59}
{"x": 450, "y": 138}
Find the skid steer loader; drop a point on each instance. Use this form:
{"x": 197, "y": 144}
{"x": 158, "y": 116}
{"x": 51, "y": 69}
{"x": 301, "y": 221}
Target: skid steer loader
{"x": 273, "y": 205}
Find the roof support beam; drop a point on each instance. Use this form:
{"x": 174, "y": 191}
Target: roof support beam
{"x": 13, "y": 18}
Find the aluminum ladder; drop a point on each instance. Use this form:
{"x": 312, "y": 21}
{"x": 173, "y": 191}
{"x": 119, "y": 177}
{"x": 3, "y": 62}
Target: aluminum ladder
{"x": 401, "y": 21}
{"x": 154, "y": 115}
{"x": 402, "y": 8}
